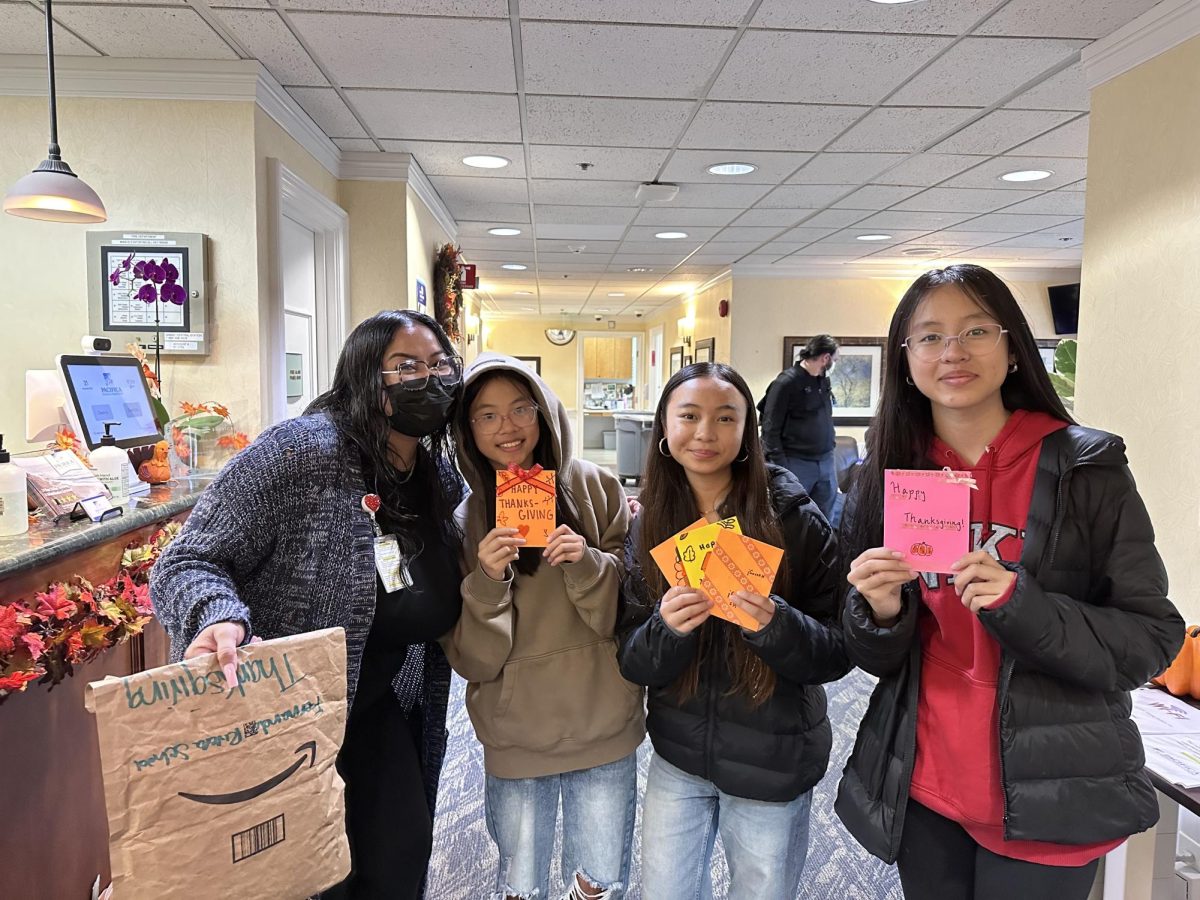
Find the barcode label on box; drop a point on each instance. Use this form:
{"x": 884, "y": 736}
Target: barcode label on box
{"x": 257, "y": 839}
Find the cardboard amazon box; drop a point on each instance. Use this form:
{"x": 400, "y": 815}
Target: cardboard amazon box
{"x": 231, "y": 792}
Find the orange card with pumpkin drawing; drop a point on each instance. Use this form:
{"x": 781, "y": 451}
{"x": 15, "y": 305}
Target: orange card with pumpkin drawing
{"x": 525, "y": 500}
{"x": 695, "y": 544}
{"x": 667, "y": 557}
{"x": 668, "y": 554}
{"x": 738, "y": 563}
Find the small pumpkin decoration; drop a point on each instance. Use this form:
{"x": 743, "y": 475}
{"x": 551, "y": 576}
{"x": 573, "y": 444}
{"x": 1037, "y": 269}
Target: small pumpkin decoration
{"x": 157, "y": 469}
{"x": 1182, "y": 677}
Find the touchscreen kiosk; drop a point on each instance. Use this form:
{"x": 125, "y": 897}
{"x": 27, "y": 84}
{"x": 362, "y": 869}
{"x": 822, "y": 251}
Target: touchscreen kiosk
{"x": 103, "y": 389}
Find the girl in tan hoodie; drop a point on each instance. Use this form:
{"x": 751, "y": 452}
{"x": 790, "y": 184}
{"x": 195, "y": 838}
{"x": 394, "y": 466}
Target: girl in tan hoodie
{"x": 535, "y": 644}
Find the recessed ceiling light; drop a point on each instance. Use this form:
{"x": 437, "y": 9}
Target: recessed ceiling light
{"x": 638, "y": 269}
{"x": 671, "y": 235}
{"x": 601, "y": 309}
{"x": 873, "y": 237}
{"x": 921, "y": 251}
{"x": 504, "y": 232}
{"x": 515, "y": 267}
{"x": 617, "y": 294}
{"x": 486, "y": 162}
{"x": 731, "y": 168}
{"x": 1026, "y": 175}
{"x": 524, "y": 293}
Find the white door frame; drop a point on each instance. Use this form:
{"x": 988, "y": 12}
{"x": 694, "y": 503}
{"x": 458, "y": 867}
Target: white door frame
{"x": 580, "y": 400}
{"x": 654, "y": 370}
{"x": 294, "y": 198}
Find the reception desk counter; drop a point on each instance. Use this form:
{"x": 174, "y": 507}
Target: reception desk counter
{"x": 56, "y": 839}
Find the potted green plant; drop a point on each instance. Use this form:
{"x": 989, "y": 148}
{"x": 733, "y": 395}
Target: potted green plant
{"x": 1063, "y": 376}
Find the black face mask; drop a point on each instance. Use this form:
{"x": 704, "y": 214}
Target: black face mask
{"x": 419, "y": 413}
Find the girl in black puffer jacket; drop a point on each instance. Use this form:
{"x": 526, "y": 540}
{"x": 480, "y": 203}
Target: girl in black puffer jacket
{"x": 737, "y": 717}
{"x": 997, "y": 757}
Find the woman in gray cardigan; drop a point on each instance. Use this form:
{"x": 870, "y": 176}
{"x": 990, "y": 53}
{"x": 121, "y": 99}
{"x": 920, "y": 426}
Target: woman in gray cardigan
{"x": 283, "y": 543}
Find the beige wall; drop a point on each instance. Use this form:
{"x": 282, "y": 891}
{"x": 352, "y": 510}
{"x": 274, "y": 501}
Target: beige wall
{"x": 1139, "y": 320}
{"x": 766, "y": 310}
{"x": 701, "y": 311}
{"x": 423, "y": 236}
{"x": 270, "y": 140}
{"x": 378, "y": 256}
{"x": 150, "y": 179}
{"x": 216, "y": 182}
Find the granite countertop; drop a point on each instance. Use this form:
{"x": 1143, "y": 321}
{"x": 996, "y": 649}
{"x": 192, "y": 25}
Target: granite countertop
{"x": 46, "y": 541}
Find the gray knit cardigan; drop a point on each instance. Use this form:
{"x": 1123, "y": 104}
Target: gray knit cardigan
{"x": 280, "y": 543}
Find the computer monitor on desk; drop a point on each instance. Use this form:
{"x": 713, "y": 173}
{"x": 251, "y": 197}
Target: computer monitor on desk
{"x": 109, "y": 388}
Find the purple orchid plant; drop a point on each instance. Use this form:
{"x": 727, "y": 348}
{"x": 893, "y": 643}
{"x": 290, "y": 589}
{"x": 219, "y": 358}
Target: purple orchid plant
{"x": 159, "y": 280}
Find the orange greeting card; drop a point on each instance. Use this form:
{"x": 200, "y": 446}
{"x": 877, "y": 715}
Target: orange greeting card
{"x": 666, "y": 555}
{"x": 738, "y": 563}
{"x": 525, "y": 500}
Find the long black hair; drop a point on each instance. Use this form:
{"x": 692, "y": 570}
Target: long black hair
{"x": 902, "y": 431}
{"x": 668, "y": 506}
{"x": 483, "y": 473}
{"x": 355, "y": 404}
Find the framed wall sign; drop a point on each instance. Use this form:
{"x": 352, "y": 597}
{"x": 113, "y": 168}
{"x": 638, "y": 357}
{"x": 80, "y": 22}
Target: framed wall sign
{"x": 706, "y": 350}
{"x": 117, "y": 311}
{"x": 676, "y": 361}
{"x": 534, "y": 363}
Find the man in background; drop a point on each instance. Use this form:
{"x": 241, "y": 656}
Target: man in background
{"x": 797, "y": 421}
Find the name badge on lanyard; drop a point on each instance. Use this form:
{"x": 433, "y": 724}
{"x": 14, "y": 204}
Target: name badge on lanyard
{"x": 389, "y": 561}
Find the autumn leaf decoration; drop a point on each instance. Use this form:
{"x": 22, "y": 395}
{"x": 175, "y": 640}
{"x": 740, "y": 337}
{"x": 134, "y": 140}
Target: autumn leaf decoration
{"x": 72, "y": 622}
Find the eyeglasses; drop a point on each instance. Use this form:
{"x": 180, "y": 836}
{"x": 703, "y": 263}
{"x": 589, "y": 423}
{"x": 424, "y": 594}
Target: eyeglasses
{"x": 490, "y": 423}
{"x": 978, "y": 340}
{"x": 414, "y": 374}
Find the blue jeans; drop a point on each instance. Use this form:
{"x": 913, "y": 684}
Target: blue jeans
{"x": 819, "y": 477}
{"x": 598, "y": 810}
{"x": 765, "y": 843}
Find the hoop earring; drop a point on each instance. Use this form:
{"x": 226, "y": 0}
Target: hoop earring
{"x": 908, "y": 378}
{"x": 745, "y": 455}
{"x": 1012, "y": 368}
{"x": 666, "y": 453}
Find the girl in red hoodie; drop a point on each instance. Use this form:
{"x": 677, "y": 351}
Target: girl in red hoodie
{"x": 997, "y": 758}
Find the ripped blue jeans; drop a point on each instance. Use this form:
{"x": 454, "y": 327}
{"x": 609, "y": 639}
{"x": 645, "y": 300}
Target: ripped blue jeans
{"x": 598, "y": 813}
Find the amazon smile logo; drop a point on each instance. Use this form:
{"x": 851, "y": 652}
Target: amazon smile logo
{"x": 309, "y": 748}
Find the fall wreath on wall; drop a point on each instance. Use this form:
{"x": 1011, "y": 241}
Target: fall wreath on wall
{"x": 448, "y": 297}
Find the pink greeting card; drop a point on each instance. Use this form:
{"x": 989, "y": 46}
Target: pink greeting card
{"x": 927, "y": 516}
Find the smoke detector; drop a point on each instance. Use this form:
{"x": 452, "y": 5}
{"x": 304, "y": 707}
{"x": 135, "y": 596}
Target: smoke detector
{"x": 656, "y": 192}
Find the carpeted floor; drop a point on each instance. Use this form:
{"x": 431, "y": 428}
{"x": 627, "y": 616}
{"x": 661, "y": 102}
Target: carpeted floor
{"x": 464, "y": 858}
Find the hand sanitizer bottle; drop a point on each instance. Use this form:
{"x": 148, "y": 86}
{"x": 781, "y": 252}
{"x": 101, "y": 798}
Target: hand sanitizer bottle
{"x": 112, "y": 465}
{"x": 14, "y": 515}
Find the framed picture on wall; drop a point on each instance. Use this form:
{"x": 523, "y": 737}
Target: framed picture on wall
{"x": 534, "y": 363}
{"x": 1046, "y": 348}
{"x": 857, "y": 378}
{"x": 676, "y": 361}
{"x": 687, "y": 361}
{"x": 706, "y": 350}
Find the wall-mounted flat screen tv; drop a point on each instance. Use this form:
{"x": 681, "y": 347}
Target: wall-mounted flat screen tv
{"x": 1064, "y": 307}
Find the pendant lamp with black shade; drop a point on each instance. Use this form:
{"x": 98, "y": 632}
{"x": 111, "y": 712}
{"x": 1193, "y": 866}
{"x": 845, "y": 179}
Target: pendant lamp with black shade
{"x": 52, "y": 192}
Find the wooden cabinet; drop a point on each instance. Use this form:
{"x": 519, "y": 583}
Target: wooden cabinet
{"x": 608, "y": 359}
